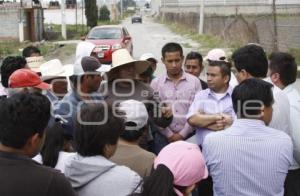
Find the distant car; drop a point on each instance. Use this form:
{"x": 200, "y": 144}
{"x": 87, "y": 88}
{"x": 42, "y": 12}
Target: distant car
{"x": 136, "y": 18}
{"x": 107, "y": 39}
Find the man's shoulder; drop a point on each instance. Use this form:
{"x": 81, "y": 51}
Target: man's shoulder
{"x": 203, "y": 94}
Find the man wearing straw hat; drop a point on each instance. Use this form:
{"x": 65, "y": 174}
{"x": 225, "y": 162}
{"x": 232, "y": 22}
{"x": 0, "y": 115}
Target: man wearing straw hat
{"x": 123, "y": 86}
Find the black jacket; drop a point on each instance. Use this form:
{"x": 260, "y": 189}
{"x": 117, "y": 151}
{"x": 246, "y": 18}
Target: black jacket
{"x": 20, "y": 175}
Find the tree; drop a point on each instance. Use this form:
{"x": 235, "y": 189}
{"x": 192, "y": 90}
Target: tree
{"x": 91, "y": 12}
{"x": 126, "y": 3}
{"x": 104, "y": 13}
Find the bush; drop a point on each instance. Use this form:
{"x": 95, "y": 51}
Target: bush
{"x": 104, "y": 13}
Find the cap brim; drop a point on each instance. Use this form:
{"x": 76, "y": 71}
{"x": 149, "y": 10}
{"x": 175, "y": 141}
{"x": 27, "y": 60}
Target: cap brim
{"x": 43, "y": 86}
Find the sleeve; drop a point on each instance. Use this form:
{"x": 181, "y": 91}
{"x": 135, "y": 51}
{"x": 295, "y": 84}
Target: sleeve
{"x": 187, "y": 129}
{"x": 167, "y": 132}
{"x": 281, "y": 112}
{"x": 136, "y": 184}
{"x": 195, "y": 107}
{"x": 60, "y": 186}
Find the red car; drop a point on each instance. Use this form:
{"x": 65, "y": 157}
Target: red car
{"x": 107, "y": 39}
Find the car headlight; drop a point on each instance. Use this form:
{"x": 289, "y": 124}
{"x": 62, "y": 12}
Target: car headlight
{"x": 116, "y": 46}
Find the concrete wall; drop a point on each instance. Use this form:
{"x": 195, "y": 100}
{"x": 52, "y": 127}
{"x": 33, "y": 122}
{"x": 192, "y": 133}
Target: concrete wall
{"x": 9, "y": 18}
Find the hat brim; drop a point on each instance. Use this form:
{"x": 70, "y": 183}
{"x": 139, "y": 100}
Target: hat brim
{"x": 104, "y": 68}
{"x": 43, "y": 86}
{"x": 139, "y": 65}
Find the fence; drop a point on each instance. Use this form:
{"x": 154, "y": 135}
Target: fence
{"x": 275, "y": 27}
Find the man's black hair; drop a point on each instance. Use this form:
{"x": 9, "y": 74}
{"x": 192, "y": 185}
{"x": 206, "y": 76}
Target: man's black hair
{"x": 224, "y": 66}
{"x": 132, "y": 135}
{"x": 9, "y": 65}
{"x": 29, "y": 50}
{"x": 171, "y": 47}
{"x": 194, "y": 55}
{"x": 91, "y": 137}
{"x": 250, "y": 95}
{"x": 252, "y": 58}
{"x": 284, "y": 64}
{"x": 22, "y": 116}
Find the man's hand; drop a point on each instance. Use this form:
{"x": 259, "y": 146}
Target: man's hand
{"x": 166, "y": 111}
{"x": 175, "y": 137}
{"x": 227, "y": 119}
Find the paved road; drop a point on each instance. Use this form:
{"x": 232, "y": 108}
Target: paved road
{"x": 151, "y": 37}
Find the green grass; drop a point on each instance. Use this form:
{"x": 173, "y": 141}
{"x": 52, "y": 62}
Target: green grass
{"x": 207, "y": 42}
{"x": 73, "y": 31}
{"x": 14, "y": 48}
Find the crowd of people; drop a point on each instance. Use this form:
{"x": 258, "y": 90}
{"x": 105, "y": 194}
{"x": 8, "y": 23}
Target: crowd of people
{"x": 93, "y": 129}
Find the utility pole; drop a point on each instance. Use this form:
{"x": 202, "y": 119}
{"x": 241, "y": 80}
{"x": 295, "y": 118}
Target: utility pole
{"x": 275, "y": 37}
{"x": 201, "y": 16}
{"x": 76, "y": 15}
{"x": 82, "y": 16}
{"x": 121, "y": 2}
{"x": 63, "y": 19}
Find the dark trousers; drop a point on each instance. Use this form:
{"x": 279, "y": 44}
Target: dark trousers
{"x": 292, "y": 183}
{"x": 204, "y": 188}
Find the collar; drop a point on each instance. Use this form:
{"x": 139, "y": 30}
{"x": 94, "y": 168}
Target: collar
{"x": 15, "y": 156}
{"x": 227, "y": 93}
{"x": 183, "y": 76}
{"x": 288, "y": 88}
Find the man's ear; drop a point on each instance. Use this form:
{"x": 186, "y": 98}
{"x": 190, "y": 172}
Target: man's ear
{"x": 34, "y": 144}
{"x": 162, "y": 59}
{"x": 245, "y": 75}
{"x": 275, "y": 77}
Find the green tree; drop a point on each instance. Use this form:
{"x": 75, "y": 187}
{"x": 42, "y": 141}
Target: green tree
{"x": 104, "y": 13}
{"x": 126, "y": 3}
{"x": 91, "y": 12}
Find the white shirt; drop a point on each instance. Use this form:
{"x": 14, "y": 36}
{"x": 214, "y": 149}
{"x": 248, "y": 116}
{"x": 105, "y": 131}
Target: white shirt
{"x": 294, "y": 99}
{"x": 281, "y": 111}
{"x": 63, "y": 157}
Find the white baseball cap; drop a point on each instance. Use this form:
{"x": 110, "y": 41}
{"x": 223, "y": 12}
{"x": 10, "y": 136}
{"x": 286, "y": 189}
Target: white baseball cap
{"x": 148, "y": 56}
{"x": 136, "y": 112}
{"x": 216, "y": 54}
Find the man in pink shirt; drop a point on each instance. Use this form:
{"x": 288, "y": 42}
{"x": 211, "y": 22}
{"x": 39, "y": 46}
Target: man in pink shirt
{"x": 176, "y": 89}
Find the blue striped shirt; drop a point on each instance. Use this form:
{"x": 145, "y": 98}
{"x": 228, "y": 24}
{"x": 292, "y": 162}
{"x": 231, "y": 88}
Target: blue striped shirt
{"x": 248, "y": 159}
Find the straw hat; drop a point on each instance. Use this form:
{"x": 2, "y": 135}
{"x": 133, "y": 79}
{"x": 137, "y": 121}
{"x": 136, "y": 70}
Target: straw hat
{"x": 54, "y": 68}
{"x": 122, "y": 57}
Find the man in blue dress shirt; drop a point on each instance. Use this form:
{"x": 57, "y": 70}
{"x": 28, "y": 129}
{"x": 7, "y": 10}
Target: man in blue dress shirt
{"x": 249, "y": 158}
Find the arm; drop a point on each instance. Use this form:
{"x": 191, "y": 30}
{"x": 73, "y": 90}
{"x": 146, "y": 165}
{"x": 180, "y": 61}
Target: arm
{"x": 203, "y": 120}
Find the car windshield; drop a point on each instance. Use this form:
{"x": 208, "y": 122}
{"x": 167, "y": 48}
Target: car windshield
{"x": 105, "y": 33}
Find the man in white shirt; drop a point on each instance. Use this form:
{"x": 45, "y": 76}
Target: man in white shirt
{"x": 251, "y": 61}
{"x": 283, "y": 73}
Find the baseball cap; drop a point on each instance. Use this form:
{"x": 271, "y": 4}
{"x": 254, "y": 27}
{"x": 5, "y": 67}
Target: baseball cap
{"x": 86, "y": 64}
{"x": 136, "y": 112}
{"x": 185, "y": 161}
{"x": 216, "y": 54}
{"x": 147, "y": 56}
{"x": 26, "y": 78}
